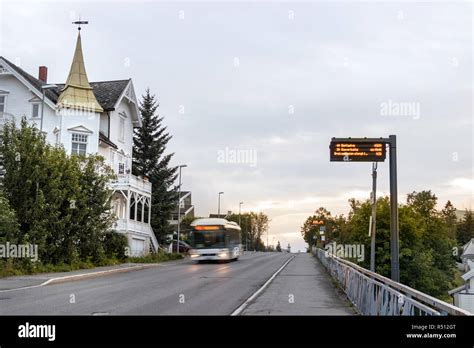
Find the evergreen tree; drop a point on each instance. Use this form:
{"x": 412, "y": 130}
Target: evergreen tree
{"x": 150, "y": 160}
{"x": 465, "y": 230}
{"x": 450, "y": 219}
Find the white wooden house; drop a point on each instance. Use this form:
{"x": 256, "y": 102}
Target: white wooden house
{"x": 87, "y": 118}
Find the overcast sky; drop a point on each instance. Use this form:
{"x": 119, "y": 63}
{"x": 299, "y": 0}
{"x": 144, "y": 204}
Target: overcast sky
{"x": 279, "y": 80}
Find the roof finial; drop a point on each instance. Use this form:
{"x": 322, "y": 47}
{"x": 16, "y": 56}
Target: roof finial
{"x": 79, "y": 22}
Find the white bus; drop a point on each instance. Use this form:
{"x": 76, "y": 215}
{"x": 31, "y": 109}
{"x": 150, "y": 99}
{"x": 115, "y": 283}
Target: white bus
{"x": 215, "y": 239}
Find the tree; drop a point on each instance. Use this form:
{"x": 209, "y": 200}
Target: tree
{"x": 426, "y": 260}
{"x": 450, "y": 219}
{"x": 8, "y": 222}
{"x": 465, "y": 228}
{"x": 254, "y": 226}
{"x": 62, "y": 203}
{"x": 150, "y": 160}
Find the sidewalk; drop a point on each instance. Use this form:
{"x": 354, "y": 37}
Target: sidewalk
{"x": 303, "y": 287}
{"x": 18, "y": 282}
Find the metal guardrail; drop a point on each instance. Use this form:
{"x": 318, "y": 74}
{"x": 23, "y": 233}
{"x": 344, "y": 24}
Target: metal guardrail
{"x": 373, "y": 294}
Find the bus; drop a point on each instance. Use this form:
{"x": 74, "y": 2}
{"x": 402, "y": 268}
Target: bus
{"x": 215, "y": 239}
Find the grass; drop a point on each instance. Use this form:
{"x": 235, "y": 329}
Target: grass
{"x": 157, "y": 257}
{"x": 9, "y": 268}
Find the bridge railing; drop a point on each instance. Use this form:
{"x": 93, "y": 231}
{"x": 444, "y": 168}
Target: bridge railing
{"x": 373, "y": 294}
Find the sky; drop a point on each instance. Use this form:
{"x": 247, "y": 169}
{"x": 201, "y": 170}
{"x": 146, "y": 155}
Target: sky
{"x": 272, "y": 82}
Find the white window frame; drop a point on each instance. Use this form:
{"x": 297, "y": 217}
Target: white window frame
{"x": 5, "y": 96}
{"x": 33, "y": 110}
{"x": 81, "y": 139}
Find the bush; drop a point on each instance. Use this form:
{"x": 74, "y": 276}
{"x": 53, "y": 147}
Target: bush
{"x": 156, "y": 257}
{"x": 115, "y": 245}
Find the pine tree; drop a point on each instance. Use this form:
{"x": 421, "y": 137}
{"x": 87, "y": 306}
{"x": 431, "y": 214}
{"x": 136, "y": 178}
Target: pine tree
{"x": 465, "y": 230}
{"x": 150, "y": 160}
{"x": 449, "y": 216}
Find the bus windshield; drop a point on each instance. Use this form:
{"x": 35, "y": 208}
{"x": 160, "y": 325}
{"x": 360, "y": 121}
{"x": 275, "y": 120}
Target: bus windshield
{"x": 208, "y": 239}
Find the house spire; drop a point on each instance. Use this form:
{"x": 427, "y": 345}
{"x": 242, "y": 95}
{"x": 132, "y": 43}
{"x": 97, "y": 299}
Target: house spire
{"x": 77, "y": 93}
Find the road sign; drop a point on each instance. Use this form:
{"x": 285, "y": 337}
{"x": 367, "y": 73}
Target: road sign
{"x": 373, "y": 150}
{"x": 317, "y": 222}
{"x": 357, "y": 150}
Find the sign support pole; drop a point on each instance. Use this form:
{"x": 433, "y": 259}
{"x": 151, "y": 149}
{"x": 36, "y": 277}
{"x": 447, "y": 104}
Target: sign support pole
{"x": 394, "y": 235}
{"x": 374, "y": 217}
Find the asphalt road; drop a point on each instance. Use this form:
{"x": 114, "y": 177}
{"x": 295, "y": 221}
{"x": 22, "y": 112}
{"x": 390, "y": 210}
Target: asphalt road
{"x": 172, "y": 288}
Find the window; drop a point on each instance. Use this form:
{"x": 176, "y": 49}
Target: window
{"x": 122, "y": 129}
{"x": 3, "y": 103}
{"x": 36, "y": 110}
{"x": 121, "y": 169}
{"x": 79, "y": 144}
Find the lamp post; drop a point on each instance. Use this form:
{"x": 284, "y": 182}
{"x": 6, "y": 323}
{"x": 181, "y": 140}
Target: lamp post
{"x": 44, "y": 88}
{"x": 240, "y": 210}
{"x": 179, "y": 206}
{"x": 219, "y": 205}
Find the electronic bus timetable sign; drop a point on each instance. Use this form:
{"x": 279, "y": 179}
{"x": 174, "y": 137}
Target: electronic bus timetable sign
{"x": 357, "y": 150}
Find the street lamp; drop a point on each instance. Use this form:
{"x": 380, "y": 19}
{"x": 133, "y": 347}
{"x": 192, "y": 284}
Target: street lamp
{"x": 219, "y": 205}
{"x": 179, "y": 206}
{"x": 240, "y": 210}
{"x": 44, "y": 88}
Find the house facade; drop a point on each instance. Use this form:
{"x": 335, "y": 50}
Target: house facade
{"x": 87, "y": 118}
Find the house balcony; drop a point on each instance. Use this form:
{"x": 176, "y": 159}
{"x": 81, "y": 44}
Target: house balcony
{"x": 136, "y": 228}
{"x": 123, "y": 225}
{"x": 127, "y": 182}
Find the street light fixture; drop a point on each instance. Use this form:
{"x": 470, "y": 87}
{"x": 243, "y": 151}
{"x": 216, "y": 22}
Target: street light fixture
{"x": 44, "y": 88}
{"x": 219, "y": 205}
{"x": 240, "y": 210}
{"x": 179, "y": 207}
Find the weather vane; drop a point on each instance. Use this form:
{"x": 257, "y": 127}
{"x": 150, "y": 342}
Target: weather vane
{"x": 79, "y": 22}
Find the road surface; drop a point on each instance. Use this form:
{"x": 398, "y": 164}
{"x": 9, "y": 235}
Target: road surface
{"x": 186, "y": 288}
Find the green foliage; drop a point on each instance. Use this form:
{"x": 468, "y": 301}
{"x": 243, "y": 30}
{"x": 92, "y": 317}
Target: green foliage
{"x": 61, "y": 202}
{"x": 115, "y": 245}
{"x": 426, "y": 239}
{"x": 465, "y": 228}
{"x": 156, "y": 257}
{"x": 150, "y": 160}
{"x": 254, "y": 226}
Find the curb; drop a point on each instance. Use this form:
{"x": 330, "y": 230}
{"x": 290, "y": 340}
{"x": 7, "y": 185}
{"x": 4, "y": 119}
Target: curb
{"x": 77, "y": 277}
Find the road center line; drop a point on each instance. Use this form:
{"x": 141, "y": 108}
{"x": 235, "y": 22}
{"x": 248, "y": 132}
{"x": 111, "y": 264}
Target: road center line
{"x": 251, "y": 298}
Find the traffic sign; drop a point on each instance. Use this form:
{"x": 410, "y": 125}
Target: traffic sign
{"x": 357, "y": 150}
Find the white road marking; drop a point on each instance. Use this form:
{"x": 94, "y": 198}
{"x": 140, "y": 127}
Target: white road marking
{"x": 251, "y": 298}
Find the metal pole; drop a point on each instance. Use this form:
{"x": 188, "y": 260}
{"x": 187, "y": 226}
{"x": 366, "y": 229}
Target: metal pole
{"x": 219, "y": 205}
{"x": 374, "y": 216}
{"x": 42, "y": 112}
{"x": 394, "y": 248}
{"x": 179, "y": 210}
